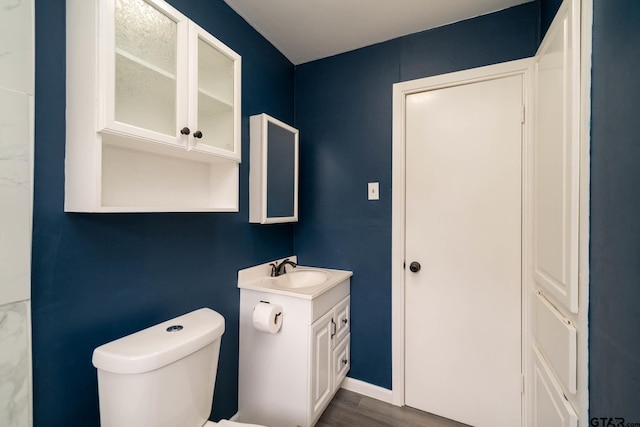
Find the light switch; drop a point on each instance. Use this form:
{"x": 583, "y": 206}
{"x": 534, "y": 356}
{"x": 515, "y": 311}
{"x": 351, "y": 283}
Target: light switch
{"x": 374, "y": 191}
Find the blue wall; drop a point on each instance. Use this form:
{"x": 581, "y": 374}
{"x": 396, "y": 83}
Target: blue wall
{"x": 343, "y": 108}
{"x": 548, "y": 10}
{"x": 99, "y": 277}
{"x": 614, "y": 334}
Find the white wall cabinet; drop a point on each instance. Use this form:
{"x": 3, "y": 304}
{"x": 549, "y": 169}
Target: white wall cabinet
{"x": 287, "y": 379}
{"x": 153, "y": 111}
{"x": 273, "y": 175}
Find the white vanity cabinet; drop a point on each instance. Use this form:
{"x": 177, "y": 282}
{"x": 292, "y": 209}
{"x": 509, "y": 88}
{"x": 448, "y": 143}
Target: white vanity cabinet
{"x": 287, "y": 379}
{"x": 153, "y": 111}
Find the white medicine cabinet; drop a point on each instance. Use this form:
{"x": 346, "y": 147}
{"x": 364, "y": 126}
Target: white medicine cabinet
{"x": 153, "y": 111}
{"x": 273, "y": 176}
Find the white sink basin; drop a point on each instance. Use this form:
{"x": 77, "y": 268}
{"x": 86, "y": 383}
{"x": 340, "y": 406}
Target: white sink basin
{"x": 299, "y": 279}
{"x": 302, "y": 282}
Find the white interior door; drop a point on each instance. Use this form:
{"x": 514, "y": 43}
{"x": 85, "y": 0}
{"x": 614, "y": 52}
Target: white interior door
{"x": 463, "y": 225}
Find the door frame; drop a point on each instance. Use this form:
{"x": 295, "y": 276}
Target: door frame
{"x": 522, "y": 67}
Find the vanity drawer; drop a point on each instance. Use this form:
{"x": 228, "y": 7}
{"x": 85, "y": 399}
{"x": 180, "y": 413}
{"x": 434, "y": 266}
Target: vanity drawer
{"x": 341, "y": 361}
{"x": 341, "y": 316}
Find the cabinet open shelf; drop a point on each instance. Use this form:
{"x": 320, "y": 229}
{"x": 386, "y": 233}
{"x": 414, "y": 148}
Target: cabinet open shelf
{"x": 140, "y": 177}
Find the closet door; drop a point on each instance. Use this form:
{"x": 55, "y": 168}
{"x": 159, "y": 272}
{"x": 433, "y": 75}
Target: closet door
{"x": 556, "y": 162}
{"x": 556, "y": 158}
{"x": 552, "y": 408}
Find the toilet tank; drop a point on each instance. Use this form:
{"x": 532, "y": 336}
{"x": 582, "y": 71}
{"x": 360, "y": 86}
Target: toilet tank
{"x": 162, "y": 376}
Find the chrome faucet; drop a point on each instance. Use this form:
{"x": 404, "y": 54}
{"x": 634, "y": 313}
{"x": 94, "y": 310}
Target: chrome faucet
{"x": 280, "y": 269}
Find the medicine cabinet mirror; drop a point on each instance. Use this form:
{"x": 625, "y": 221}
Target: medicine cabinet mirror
{"x": 273, "y": 176}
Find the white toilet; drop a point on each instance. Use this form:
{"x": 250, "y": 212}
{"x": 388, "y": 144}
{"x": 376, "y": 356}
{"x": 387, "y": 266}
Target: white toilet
{"x": 162, "y": 376}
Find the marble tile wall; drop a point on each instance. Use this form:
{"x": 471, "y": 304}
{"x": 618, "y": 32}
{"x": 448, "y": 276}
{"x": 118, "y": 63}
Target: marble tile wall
{"x": 16, "y": 45}
{"x": 16, "y": 164}
{"x": 15, "y": 361}
{"x": 15, "y": 196}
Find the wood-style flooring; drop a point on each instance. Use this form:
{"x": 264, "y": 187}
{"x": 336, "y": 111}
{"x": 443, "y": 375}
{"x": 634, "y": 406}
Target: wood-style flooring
{"x": 349, "y": 409}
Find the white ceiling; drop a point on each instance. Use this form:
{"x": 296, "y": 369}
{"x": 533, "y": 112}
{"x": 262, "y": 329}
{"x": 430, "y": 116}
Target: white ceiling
{"x": 306, "y": 30}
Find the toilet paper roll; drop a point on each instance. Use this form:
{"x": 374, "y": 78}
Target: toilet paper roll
{"x": 267, "y": 317}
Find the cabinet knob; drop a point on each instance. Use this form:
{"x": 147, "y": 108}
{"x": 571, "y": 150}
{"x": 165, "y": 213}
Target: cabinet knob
{"x": 415, "y": 267}
{"x": 185, "y": 131}
{"x": 197, "y": 134}
{"x": 345, "y": 321}
{"x": 345, "y": 361}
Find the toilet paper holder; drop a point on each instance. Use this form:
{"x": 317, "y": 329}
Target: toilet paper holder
{"x": 267, "y": 319}
{"x": 277, "y": 314}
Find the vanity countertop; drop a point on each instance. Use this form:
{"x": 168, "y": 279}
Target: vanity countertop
{"x": 258, "y": 279}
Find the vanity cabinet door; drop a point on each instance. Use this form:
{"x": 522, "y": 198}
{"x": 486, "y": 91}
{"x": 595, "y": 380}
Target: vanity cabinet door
{"x": 321, "y": 367}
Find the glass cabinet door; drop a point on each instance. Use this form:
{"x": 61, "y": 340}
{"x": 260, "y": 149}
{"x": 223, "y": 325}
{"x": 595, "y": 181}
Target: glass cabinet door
{"x": 217, "y": 98}
{"x": 146, "y": 58}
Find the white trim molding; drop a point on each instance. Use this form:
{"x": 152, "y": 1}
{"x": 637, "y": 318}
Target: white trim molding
{"x": 586, "y": 39}
{"x": 367, "y": 389}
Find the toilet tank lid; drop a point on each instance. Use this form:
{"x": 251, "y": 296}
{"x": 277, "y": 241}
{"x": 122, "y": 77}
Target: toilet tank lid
{"x": 160, "y": 345}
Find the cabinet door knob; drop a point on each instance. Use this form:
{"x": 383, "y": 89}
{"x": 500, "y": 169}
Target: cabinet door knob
{"x": 197, "y": 134}
{"x": 185, "y": 131}
{"x": 345, "y": 321}
{"x": 345, "y": 361}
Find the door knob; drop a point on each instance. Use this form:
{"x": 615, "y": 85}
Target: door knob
{"x": 415, "y": 267}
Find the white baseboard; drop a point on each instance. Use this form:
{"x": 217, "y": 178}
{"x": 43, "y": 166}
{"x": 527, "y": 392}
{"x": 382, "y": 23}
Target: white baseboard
{"x": 369, "y": 390}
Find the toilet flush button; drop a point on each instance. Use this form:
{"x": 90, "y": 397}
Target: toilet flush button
{"x": 174, "y": 328}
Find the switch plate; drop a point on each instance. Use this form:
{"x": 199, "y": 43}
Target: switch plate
{"x": 374, "y": 191}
